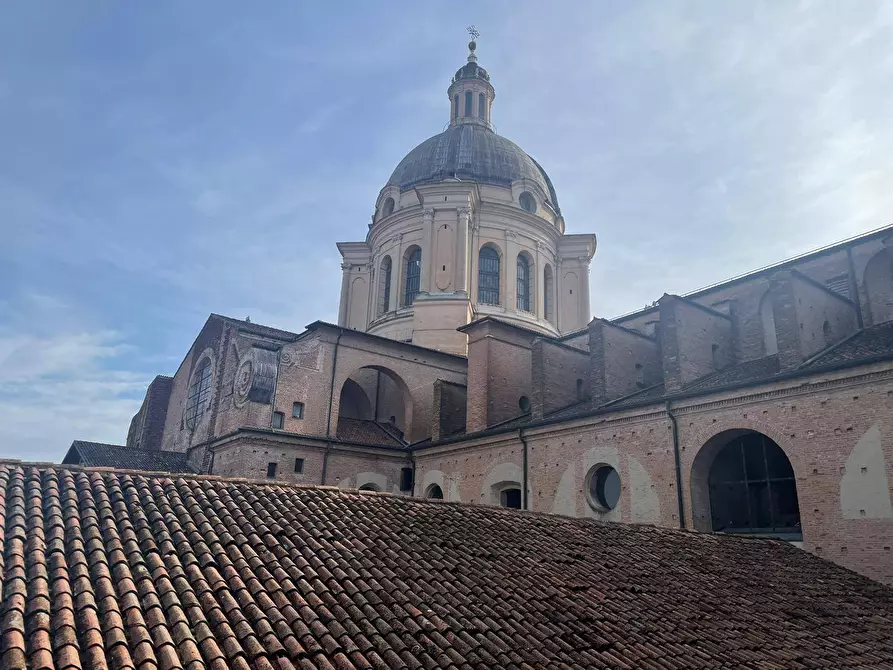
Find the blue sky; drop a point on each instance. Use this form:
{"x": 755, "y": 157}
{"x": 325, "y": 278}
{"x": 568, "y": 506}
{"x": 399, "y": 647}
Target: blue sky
{"x": 161, "y": 161}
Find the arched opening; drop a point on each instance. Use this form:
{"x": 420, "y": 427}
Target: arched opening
{"x": 468, "y": 99}
{"x": 434, "y": 492}
{"x": 413, "y": 275}
{"x": 826, "y": 333}
{"x": 354, "y": 403}
{"x": 384, "y": 286}
{"x": 482, "y": 106}
{"x": 524, "y": 276}
{"x": 767, "y": 317}
{"x": 388, "y": 207}
{"x": 527, "y": 202}
{"x": 743, "y": 482}
{"x": 369, "y": 487}
{"x": 548, "y": 300}
{"x": 879, "y": 286}
{"x": 375, "y": 407}
{"x": 488, "y": 276}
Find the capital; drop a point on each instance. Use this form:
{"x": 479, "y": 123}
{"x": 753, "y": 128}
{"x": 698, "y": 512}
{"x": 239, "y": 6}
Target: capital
{"x": 428, "y": 214}
{"x": 346, "y": 267}
{"x": 463, "y": 212}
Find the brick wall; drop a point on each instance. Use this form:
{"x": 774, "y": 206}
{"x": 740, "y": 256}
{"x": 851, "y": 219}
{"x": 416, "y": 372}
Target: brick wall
{"x": 695, "y": 341}
{"x": 560, "y": 377}
{"x": 499, "y": 372}
{"x": 808, "y": 317}
{"x": 450, "y": 407}
{"x": 622, "y": 361}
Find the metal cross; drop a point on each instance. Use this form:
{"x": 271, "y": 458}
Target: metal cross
{"x": 473, "y": 32}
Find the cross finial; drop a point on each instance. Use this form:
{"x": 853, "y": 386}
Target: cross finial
{"x": 473, "y": 32}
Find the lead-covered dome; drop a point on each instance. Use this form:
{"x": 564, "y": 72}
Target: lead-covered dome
{"x": 470, "y": 152}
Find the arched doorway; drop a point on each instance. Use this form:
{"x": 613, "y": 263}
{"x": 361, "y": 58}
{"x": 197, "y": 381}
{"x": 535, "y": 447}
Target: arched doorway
{"x": 743, "y": 482}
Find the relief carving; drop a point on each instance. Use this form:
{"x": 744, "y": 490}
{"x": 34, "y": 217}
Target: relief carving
{"x": 256, "y": 375}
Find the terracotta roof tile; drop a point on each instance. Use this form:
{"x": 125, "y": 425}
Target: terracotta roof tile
{"x": 126, "y": 570}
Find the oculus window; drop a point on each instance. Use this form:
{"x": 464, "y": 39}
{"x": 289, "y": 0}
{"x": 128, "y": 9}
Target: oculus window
{"x": 602, "y": 488}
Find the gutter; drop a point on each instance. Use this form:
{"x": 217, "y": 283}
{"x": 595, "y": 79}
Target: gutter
{"x": 524, "y": 467}
{"x": 325, "y": 458}
{"x": 678, "y": 462}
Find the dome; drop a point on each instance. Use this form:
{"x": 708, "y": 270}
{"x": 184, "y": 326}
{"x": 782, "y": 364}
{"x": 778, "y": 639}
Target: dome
{"x": 470, "y": 152}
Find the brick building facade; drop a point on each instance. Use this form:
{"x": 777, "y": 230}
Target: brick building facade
{"x": 761, "y": 405}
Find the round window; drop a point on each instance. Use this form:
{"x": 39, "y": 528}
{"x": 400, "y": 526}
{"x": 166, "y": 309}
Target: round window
{"x": 603, "y": 488}
{"x": 528, "y": 202}
{"x": 524, "y": 403}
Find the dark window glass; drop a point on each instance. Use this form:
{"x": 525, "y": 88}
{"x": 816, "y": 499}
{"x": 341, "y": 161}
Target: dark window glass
{"x": 523, "y": 284}
{"x": 524, "y": 403}
{"x": 199, "y": 393}
{"x": 482, "y": 106}
{"x": 271, "y": 470}
{"x": 527, "y": 202}
{"x": 413, "y": 276}
{"x": 278, "y": 419}
{"x": 488, "y": 276}
{"x": 299, "y": 466}
{"x": 297, "y": 410}
{"x": 369, "y": 487}
{"x": 511, "y": 498}
{"x": 753, "y": 490}
{"x": 468, "y": 103}
{"x": 435, "y": 492}
{"x": 388, "y": 207}
{"x": 456, "y": 106}
{"x": 406, "y": 479}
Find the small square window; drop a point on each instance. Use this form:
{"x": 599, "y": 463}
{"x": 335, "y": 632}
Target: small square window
{"x": 297, "y": 410}
{"x": 299, "y": 465}
{"x": 278, "y": 419}
{"x": 271, "y": 470}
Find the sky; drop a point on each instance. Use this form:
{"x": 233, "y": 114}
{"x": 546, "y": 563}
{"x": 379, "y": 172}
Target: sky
{"x": 161, "y": 161}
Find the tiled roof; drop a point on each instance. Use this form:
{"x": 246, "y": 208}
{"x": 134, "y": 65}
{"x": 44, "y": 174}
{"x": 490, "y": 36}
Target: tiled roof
{"x": 366, "y": 432}
{"x": 123, "y": 570}
{"x": 98, "y": 454}
{"x": 871, "y": 342}
{"x": 743, "y": 373}
{"x": 655, "y": 393}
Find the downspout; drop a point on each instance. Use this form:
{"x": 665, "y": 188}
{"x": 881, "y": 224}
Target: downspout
{"x": 678, "y": 461}
{"x": 325, "y": 458}
{"x": 412, "y": 460}
{"x": 524, "y": 502}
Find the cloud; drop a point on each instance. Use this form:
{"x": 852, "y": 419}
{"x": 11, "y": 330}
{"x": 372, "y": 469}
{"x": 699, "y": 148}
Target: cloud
{"x": 71, "y": 386}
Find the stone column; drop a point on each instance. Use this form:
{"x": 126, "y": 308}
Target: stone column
{"x": 585, "y": 308}
{"x": 427, "y": 250}
{"x": 461, "y": 283}
{"x": 397, "y": 271}
{"x": 344, "y": 308}
{"x": 539, "y": 290}
{"x": 558, "y": 292}
{"x": 510, "y": 270}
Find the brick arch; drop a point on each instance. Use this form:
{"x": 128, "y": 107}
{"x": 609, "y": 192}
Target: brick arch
{"x": 409, "y": 401}
{"x": 708, "y": 444}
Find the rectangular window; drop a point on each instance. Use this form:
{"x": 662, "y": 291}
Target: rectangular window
{"x": 299, "y": 466}
{"x": 482, "y": 106}
{"x": 271, "y": 470}
{"x": 297, "y": 410}
{"x": 406, "y": 479}
{"x": 278, "y": 419}
{"x": 468, "y": 99}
